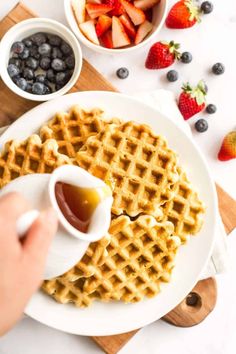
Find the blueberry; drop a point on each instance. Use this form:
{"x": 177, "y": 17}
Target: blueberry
{"x": 16, "y": 62}
{"x": 70, "y": 62}
{"x": 40, "y": 78}
{"x": 122, "y": 73}
{"x": 66, "y": 48}
{"x": 56, "y": 53}
{"x": 22, "y": 83}
{"x": 54, "y": 40}
{"x": 211, "y": 108}
{"x": 28, "y": 74}
{"x": 207, "y": 7}
{"x": 201, "y": 125}
{"x": 32, "y": 63}
{"x": 172, "y": 75}
{"x": 27, "y": 42}
{"x": 39, "y": 38}
{"x": 29, "y": 87}
{"x": 48, "y": 90}
{"x": 16, "y": 78}
{"x": 34, "y": 52}
{"x": 186, "y": 57}
{"x": 38, "y": 88}
{"x": 13, "y": 70}
{"x": 25, "y": 54}
{"x": 45, "y": 49}
{"x": 218, "y": 69}
{"x": 18, "y": 47}
{"x": 58, "y": 87}
{"x": 58, "y": 65}
{"x": 45, "y": 63}
{"x": 62, "y": 78}
{"x": 51, "y": 76}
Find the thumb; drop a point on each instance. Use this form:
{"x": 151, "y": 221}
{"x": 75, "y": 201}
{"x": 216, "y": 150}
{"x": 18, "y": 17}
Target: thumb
{"x": 39, "y": 237}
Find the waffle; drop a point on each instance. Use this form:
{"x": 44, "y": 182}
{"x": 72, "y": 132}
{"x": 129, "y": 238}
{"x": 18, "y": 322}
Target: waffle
{"x": 185, "y": 210}
{"x": 69, "y": 286}
{"x": 138, "y": 164}
{"x": 71, "y": 129}
{"x": 30, "y": 156}
{"x": 139, "y": 257}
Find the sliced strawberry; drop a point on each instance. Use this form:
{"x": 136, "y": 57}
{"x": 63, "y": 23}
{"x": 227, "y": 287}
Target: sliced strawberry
{"x": 88, "y": 29}
{"x": 118, "y": 9}
{"x": 94, "y": 1}
{"x": 137, "y": 16}
{"x": 145, "y": 4}
{"x": 119, "y": 36}
{"x": 78, "y": 7}
{"x": 143, "y": 31}
{"x": 103, "y": 24}
{"x": 96, "y": 10}
{"x": 106, "y": 39}
{"x": 128, "y": 25}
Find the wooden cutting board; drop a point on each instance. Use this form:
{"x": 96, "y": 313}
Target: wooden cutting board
{"x": 201, "y": 301}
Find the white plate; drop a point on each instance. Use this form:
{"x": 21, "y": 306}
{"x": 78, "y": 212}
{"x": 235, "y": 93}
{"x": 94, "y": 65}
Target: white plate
{"x": 113, "y": 318}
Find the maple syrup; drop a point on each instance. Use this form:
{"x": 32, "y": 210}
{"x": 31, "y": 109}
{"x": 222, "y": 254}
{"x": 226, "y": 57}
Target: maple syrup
{"x": 78, "y": 204}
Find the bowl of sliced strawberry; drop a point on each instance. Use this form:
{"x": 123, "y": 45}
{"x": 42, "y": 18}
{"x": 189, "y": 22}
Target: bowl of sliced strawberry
{"x": 109, "y": 26}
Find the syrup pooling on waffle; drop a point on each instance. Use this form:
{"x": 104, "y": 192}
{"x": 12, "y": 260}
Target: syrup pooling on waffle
{"x": 29, "y": 156}
{"x": 185, "y": 210}
{"x": 138, "y": 163}
{"x": 72, "y": 129}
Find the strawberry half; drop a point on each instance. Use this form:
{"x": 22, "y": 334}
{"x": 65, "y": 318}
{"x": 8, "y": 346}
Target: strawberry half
{"x": 103, "y": 24}
{"x": 136, "y": 15}
{"x": 88, "y": 29}
{"x": 96, "y": 10}
{"x": 183, "y": 14}
{"x": 162, "y": 54}
{"x": 106, "y": 39}
{"x": 228, "y": 147}
{"x": 143, "y": 31}
{"x": 145, "y": 4}
{"x": 119, "y": 36}
{"x": 128, "y": 25}
{"x": 192, "y": 100}
{"x": 118, "y": 9}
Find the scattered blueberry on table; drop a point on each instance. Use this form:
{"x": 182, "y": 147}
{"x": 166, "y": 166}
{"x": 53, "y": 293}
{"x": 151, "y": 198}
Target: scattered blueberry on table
{"x": 201, "y": 125}
{"x": 207, "y": 7}
{"x": 186, "y": 57}
{"x": 172, "y": 75}
{"x": 211, "y": 108}
{"x": 41, "y": 63}
{"x": 122, "y": 73}
{"x": 218, "y": 69}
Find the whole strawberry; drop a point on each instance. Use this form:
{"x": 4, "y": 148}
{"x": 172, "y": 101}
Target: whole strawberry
{"x": 192, "y": 100}
{"x": 162, "y": 54}
{"x": 184, "y": 14}
{"x": 228, "y": 147}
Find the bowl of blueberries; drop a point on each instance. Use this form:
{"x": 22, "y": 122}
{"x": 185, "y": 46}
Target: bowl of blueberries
{"x": 40, "y": 59}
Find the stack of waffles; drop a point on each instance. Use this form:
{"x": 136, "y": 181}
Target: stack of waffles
{"x": 155, "y": 207}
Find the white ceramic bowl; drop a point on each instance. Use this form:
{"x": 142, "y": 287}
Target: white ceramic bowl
{"x": 26, "y": 28}
{"x": 159, "y": 16}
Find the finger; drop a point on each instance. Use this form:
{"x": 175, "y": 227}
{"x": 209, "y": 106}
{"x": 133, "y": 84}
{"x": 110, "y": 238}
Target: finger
{"x": 12, "y": 205}
{"x": 38, "y": 240}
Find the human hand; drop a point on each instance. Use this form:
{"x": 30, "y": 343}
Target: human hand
{"x": 21, "y": 261}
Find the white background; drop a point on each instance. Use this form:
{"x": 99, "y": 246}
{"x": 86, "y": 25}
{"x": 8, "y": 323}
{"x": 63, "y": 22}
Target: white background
{"x": 211, "y": 41}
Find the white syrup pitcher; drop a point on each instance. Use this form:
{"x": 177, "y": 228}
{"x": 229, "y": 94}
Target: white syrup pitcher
{"x": 69, "y": 245}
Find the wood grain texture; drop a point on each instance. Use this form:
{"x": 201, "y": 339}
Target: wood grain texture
{"x": 206, "y": 290}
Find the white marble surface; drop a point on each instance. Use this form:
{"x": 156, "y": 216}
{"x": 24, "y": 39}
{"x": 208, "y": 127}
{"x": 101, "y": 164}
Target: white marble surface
{"x": 209, "y": 42}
